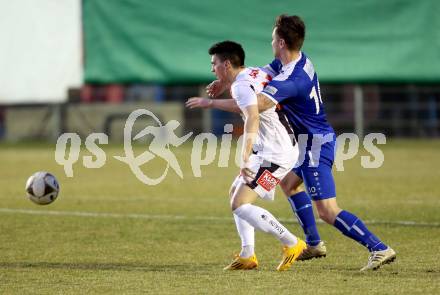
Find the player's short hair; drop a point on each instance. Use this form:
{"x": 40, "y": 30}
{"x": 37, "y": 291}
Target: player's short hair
{"x": 292, "y": 29}
{"x": 229, "y": 50}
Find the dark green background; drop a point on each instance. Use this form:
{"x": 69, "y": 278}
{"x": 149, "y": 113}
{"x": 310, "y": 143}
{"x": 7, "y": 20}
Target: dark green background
{"x": 349, "y": 41}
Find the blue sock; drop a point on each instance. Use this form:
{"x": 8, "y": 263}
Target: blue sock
{"x": 303, "y": 209}
{"x": 353, "y": 227}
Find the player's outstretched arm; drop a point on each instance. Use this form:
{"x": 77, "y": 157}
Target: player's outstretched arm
{"x": 216, "y": 88}
{"x": 228, "y": 105}
{"x": 198, "y": 103}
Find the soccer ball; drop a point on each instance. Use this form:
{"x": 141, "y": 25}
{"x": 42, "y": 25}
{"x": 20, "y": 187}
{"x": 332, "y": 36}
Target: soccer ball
{"x": 42, "y": 188}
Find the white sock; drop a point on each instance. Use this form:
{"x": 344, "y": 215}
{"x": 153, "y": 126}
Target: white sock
{"x": 247, "y": 236}
{"x": 247, "y": 251}
{"x": 263, "y": 220}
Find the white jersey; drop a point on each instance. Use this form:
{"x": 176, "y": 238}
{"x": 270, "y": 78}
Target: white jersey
{"x": 273, "y": 142}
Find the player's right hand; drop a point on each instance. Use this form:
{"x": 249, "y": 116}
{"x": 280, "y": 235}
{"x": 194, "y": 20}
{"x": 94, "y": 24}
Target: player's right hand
{"x": 247, "y": 174}
{"x": 245, "y": 171}
{"x": 198, "y": 102}
{"x": 215, "y": 88}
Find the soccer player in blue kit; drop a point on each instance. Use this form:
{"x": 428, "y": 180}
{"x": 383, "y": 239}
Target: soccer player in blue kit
{"x": 295, "y": 89}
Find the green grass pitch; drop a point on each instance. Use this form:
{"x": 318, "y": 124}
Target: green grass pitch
{"x": 110, "y": 234}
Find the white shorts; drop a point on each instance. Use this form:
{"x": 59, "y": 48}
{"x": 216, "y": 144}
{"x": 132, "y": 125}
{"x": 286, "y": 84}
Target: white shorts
{"x": 267, "y": 176}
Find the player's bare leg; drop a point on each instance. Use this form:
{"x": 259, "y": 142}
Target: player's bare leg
{"x": 261, "y": 219}
{"x": 247, "y": 259}
{"x": 351, "y": 226}
{"x": 303, "y": 209}
{"x": 328, "y": 209}
{"x": 245, "y": 231}
{"x": 291, "y": 184}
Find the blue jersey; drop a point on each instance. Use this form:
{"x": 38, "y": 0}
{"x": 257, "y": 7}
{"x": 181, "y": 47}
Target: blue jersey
{"x": 295, "y": 88}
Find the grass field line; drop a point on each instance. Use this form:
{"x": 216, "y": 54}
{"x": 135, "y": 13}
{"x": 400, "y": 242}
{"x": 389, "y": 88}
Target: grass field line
{"x": 186, "y": 217}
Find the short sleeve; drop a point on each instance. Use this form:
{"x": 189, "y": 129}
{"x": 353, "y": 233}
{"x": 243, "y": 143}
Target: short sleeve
{"x": 279, "y": 90}
{"x": 244, "y": 95}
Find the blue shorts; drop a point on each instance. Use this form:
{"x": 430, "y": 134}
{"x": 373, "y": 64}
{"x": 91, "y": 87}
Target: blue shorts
{"x": 319, "y": 181}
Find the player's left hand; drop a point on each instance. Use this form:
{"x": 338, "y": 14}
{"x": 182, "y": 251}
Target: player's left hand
{"x": 198, "y": 102}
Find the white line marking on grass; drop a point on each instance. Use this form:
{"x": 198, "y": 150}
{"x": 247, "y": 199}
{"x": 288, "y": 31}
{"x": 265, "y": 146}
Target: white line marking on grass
{"x": 185, "y": 217}
{"x": 107, "y": 215}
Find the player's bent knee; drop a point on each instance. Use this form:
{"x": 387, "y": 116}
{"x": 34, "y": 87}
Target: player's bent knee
{"x": 326, "y": 217}
{"x": 291, "y": 184}
{"x": 289, "y": 189}
{"x": 328, "y": 214}
{"x": 232, "y": 191}
{"x": 293, "y": 191}
{"x": 238, "y": 199}
{"x": 235, "y": 204}
{"x": 243, "y": 194}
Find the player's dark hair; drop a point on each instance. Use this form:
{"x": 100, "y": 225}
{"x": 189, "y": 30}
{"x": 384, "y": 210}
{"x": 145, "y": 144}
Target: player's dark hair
{"x": 292, "y": 29}
{"x": 229, "y": 50}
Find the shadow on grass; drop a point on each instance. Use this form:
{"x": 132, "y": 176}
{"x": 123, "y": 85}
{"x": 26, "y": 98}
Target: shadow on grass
{"x": 108, "y": 266}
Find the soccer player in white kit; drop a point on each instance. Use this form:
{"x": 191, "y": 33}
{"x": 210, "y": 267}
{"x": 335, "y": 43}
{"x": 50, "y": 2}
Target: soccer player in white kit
{"x": 266, "y": 156}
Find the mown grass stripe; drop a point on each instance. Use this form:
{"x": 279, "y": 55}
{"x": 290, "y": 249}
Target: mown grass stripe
{"x": 172, "y": 217}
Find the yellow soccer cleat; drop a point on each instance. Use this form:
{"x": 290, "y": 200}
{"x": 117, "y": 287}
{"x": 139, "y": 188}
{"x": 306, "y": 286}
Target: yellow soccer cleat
{"x": 291, "y": 254}
{"x": 240, "y": 263}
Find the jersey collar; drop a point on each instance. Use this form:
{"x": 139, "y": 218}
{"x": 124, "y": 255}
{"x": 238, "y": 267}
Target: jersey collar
{"x": 291, "y": 64}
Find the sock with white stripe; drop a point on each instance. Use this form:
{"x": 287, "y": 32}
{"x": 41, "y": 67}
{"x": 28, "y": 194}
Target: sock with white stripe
{"x": 303, "y": 209}
{"x": 261, "y": 219}
{"x": 351, "y": 226}
{"x": 247, "y": 236}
